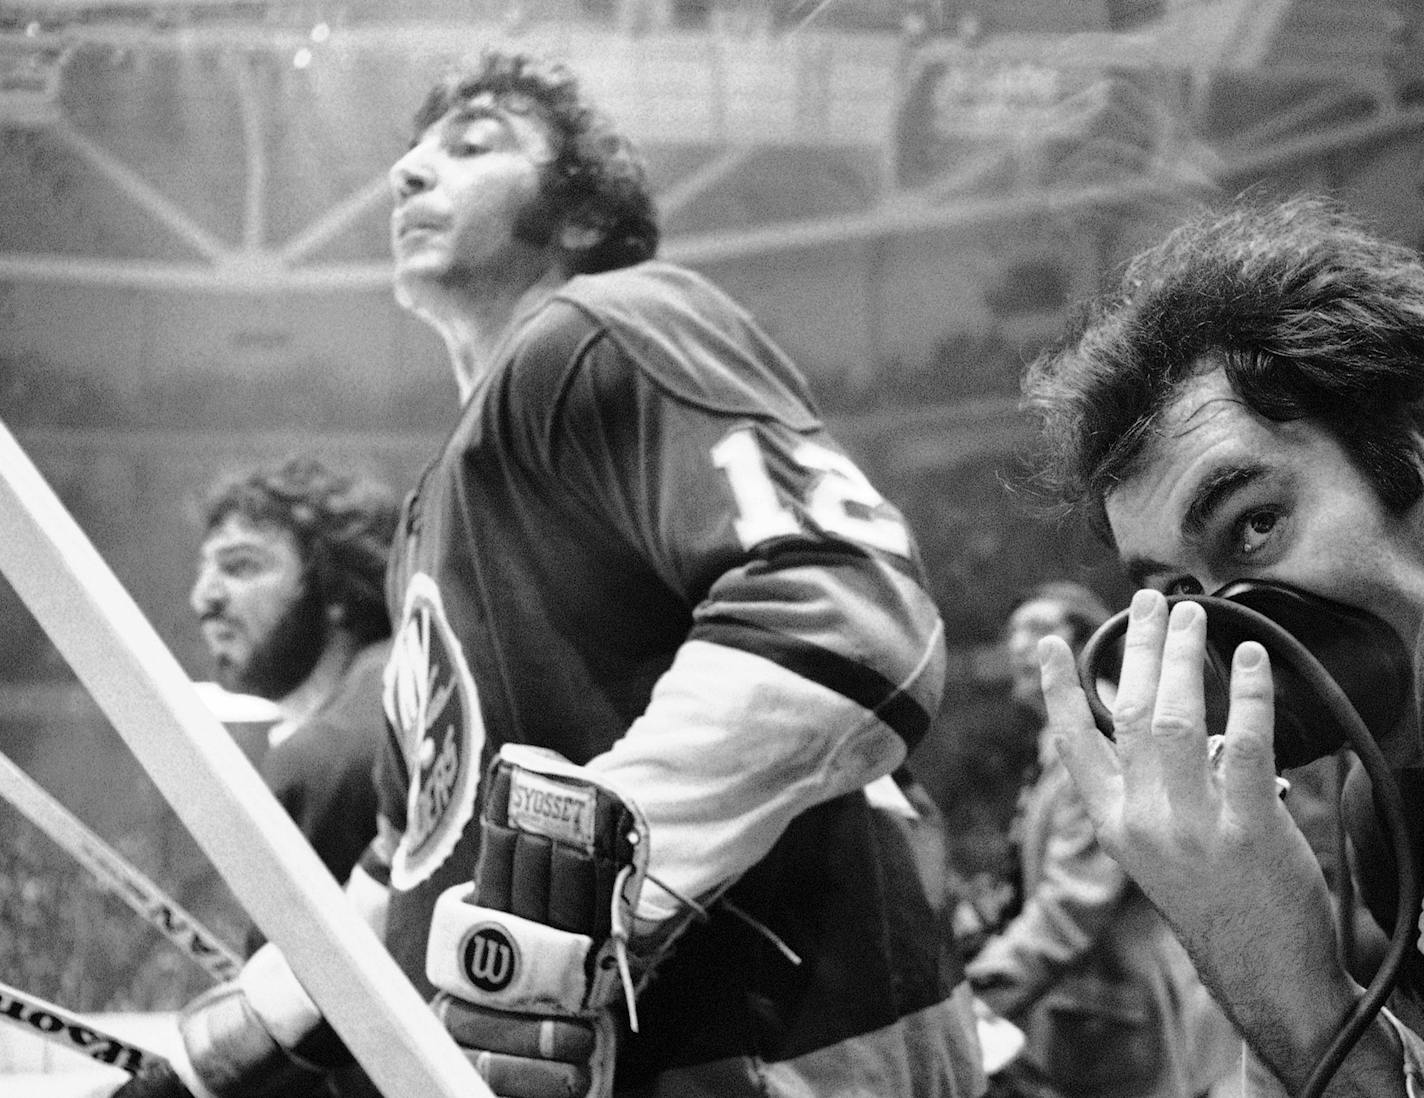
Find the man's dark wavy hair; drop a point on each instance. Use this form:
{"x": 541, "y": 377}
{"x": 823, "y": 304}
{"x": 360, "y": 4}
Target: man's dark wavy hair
{"x": 343, "y": 526}
{"x": 1311, "y": 316}
{"x": 596, "y": 179}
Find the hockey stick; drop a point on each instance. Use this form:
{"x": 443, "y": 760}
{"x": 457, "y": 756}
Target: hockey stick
{"x": 217, "y": 794}
{"x": 111, "y": 868}
{"x": 56, "y": 1024}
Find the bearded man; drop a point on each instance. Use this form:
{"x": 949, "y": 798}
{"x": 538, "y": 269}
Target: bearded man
{"x": 290, "y": 598}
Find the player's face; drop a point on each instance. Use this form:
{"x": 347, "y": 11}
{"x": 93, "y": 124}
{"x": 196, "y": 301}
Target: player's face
{"x": 462, "y": 192}
{"x": 264, "y": 628}
{"x": 1027, "y": 625}
{"x": 1225, "y": 494}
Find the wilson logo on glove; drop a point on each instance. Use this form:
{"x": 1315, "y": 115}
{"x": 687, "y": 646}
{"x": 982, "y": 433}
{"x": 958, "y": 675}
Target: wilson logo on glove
{"x": 489, "y": 958}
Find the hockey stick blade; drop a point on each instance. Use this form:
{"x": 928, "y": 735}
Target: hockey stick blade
{"x": 216, "y": 793}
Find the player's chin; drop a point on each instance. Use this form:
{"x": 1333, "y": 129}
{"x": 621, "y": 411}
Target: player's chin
{"x": 419, "y": 255}
{"x": 231, "y": 673}
{"x": 416, "y": 278}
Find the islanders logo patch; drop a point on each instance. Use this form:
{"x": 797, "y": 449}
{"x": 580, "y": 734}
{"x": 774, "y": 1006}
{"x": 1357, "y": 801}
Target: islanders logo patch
{"x": 431, "y": 700}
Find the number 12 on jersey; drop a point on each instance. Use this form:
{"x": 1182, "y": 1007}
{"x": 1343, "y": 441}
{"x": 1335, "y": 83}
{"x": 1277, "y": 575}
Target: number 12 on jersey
{"x": 835, "y": 483}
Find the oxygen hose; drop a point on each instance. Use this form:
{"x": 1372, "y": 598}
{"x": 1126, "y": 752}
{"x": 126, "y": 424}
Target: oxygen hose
{"x": 1282, "y": 646}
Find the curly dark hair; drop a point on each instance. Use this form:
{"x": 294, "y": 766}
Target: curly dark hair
{"x": 1311, "y": 316}
{"x": 596, "y": 179}
{"x": 343, "y": 526}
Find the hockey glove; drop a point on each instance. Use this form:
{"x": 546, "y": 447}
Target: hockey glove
{"x": 228, "y": 1050}
{"x": 532, "y": 955}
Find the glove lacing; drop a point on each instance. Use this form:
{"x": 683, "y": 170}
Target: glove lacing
{"x": 619, "y": 931}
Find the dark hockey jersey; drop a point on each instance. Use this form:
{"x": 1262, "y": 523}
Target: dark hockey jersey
{"x": 640, "y": 548}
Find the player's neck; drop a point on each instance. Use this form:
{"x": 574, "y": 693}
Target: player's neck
{"x": 474, "y": 325}
{"x": 312, "y": 692}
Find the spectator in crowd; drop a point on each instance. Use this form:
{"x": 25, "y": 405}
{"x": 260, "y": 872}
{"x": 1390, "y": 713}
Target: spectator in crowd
{"x": 1106, "y": 996}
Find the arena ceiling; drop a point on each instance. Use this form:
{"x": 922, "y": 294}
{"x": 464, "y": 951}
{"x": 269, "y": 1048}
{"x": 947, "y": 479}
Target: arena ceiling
{"x": 228, "y": 146}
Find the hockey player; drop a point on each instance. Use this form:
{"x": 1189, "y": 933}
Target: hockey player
{"x": 656, "y": 633}
{"x": 289, "y": 594}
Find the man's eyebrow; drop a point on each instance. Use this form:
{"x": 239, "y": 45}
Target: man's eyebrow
{"x": 460, "y": 115}
{"x": 246, "y": 544}
{"x": 1214, "y": 490}
{"x": 472, "y": 112}
{"x": 467, "y": 114}
{"x": 231, "y": 552}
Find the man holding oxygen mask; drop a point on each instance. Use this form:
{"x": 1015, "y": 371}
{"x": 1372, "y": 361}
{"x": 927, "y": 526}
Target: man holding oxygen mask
{"x": 1242, "y": 419}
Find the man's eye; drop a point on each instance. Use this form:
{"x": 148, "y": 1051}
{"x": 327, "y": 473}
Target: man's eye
{"x": 1184, "y": 585}
{"x": 1254, "y": 530}
{"x": 472, "y": 140}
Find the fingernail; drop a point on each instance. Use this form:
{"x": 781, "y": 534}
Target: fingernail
{"x": 1143, "y": 603}
{"x": 1249, "y": 656}
{"x": 1183, "y": 615}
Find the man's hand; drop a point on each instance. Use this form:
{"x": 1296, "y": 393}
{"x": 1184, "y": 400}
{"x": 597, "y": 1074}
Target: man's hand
{"x": 1211, "y": 845}
{"x": 532, "y": 955}
{"x": 257, "y": 1036}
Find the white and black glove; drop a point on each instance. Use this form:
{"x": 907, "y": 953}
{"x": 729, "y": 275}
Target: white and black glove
{"x": 232, "y": 1047}
{"x": 531, "y": 957}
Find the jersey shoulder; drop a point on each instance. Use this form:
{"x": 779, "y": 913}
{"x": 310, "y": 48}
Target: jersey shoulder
{"x": 354, "y": 707}
{"x": 685, "y": 336}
